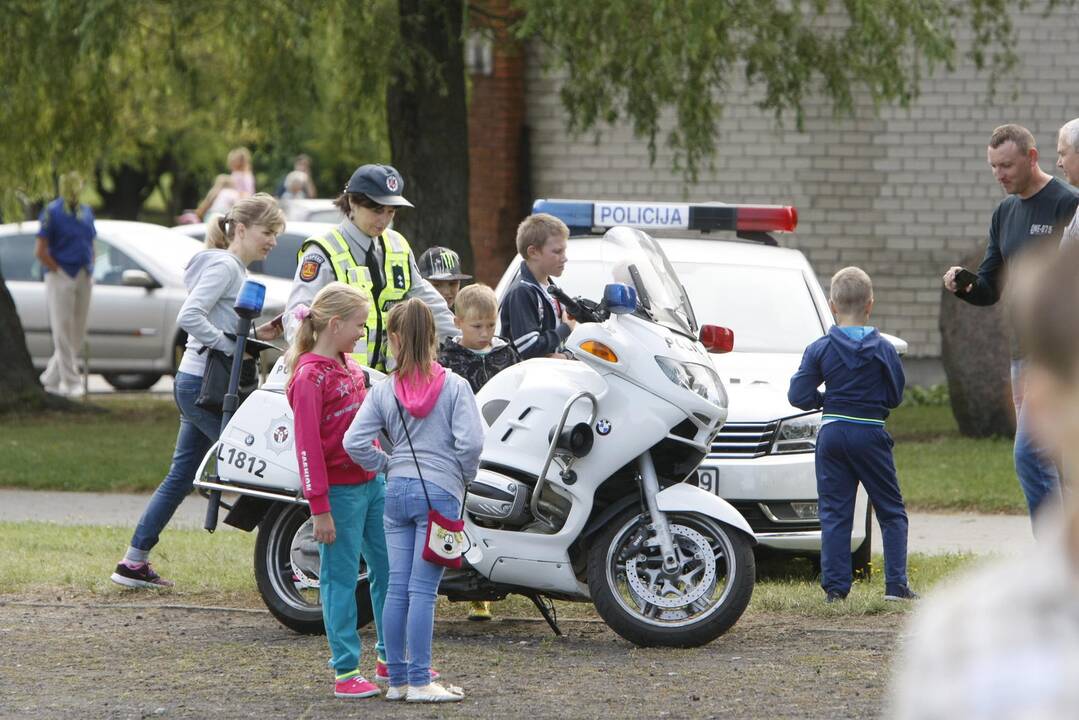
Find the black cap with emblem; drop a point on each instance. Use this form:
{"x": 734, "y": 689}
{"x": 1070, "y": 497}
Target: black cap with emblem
{"x": 382, "y": 183}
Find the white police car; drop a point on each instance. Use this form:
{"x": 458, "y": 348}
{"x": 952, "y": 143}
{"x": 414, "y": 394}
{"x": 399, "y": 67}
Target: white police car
{"x": 762, "y": 461}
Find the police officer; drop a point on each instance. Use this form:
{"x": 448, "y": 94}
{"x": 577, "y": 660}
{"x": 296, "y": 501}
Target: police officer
{"x": 364, "y": 252}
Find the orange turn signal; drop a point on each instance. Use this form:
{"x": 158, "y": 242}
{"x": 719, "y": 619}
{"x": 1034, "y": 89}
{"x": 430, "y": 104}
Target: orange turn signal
{"x": 595, "y": 347}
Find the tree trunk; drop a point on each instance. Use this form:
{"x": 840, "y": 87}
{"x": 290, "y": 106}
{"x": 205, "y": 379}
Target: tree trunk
{"x": 976, "y": 353}
{"x": 130, "y": 187}
{"x": 20, "y": 389}
{"x": 428, "y": 123}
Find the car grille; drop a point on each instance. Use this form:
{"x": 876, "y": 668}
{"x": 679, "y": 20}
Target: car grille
{"x": 744, "y": 440}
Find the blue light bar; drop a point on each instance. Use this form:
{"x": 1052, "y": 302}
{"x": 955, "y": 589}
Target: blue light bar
{"x": 250, "y": 299}
{"x": 584, "y": 216}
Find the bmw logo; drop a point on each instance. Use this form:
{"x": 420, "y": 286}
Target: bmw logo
{"x": 249, "y": 440}
{"x": 603, "y": 427}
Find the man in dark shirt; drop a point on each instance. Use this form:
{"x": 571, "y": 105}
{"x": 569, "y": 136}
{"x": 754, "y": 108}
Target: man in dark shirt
{"x": 1036, "y": 211}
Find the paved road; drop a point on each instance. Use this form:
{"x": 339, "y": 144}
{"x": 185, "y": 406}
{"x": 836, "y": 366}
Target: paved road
{"x": 929, "y": 533}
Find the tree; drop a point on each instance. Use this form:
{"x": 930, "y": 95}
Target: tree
{"x": 93, "y": 83}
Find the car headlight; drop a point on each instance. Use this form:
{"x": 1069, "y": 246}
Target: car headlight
{"x": 698, "y": 378}
{"x": 797, "y": 434}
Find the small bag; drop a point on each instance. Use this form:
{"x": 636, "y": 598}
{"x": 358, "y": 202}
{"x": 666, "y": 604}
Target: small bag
{"x": 215, "y": 380}
{"x": 445, "y": 541}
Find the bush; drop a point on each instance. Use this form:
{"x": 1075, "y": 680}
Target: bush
{"x": 934, "y": 395}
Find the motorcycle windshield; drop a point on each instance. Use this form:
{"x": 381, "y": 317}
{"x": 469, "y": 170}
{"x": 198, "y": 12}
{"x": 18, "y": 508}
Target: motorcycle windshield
{"x": 632, "y": 257}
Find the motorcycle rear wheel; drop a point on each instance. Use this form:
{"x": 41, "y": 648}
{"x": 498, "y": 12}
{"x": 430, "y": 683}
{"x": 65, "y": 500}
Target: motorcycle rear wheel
{"x": 286, "y": 571}
{"x": 689, "y": 607}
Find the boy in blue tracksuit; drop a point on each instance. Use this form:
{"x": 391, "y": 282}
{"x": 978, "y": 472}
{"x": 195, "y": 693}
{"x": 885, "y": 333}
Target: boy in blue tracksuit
{"x": 863, "y": 379}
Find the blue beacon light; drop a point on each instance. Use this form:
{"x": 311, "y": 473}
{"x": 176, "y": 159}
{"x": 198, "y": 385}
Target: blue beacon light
{"x": 251, "y": 299}
{"x": 620, "y": 299}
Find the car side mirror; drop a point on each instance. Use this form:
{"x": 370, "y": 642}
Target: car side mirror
{"x": 717, "y": 339}
{"x": 138, "y": 278}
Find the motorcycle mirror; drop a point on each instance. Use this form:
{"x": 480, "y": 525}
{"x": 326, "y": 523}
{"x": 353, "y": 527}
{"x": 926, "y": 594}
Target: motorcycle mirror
{"x": 717, "y": 339}
{"x": 576, "y": 440}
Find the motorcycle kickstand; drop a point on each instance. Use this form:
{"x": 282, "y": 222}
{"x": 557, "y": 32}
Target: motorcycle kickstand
{"x": 548, "y": 613}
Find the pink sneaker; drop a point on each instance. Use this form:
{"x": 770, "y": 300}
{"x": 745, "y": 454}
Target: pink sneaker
{"x": 356, "y": 686}
{"x": 382, "y": 675}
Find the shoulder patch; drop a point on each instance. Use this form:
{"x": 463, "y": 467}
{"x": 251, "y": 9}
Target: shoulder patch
{"x": 310, "y": 265}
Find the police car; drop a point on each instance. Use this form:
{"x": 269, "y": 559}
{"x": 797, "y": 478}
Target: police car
{"x": 762, "y": 461}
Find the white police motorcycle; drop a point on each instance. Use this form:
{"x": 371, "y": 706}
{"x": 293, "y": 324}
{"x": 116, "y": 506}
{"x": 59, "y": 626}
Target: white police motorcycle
{"x": 582, "y": 491}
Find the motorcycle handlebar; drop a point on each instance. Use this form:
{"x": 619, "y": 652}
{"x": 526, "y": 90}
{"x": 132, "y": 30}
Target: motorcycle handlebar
{"x": 576, "y": 310}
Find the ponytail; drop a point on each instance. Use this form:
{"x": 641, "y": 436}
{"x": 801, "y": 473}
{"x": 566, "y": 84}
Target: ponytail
{"x": 414, "y": 326}
{"x": 259, "y": 209}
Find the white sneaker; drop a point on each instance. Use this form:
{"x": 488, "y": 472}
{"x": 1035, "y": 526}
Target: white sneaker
{"x": 396, "y": 693}
{"x": 434, "y": 693}
{"x": 76, "y": 392}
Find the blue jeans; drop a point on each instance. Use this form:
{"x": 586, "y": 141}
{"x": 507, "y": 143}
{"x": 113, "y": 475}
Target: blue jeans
{"x": 409, "y": 616}
{"x": 199, "y": 429}
{"x": 357, "y": 518}
{"x": 1038, "y": 476}
{"x": 849, "y": 453}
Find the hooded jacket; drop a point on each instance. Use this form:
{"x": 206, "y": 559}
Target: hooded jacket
{"x": 213, "y": 279}
{"x": 443, "y": 422}
{"x": 474, "y": 366}
{"x": 863, "y": 376}
{"x": 325, "y": 395}
{"x": 531, "y": 318}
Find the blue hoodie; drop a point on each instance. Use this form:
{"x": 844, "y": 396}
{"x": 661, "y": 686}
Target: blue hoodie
{"x": 863, "y": 376}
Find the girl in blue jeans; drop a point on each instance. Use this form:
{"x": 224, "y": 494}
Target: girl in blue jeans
{"x": 443, "y": 424}
{"x": 213, "y": 277}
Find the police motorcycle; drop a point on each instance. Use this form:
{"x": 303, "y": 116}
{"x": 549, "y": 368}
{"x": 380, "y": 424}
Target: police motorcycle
{"x": 582, "y": 493}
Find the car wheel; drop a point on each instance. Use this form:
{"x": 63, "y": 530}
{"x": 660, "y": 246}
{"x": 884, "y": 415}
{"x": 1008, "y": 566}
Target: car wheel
{"x": 861, "y": 560}
{"x": 131, "y": 381}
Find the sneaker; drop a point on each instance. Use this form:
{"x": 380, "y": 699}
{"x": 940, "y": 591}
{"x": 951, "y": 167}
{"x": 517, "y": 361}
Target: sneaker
{"x": 899, "y": 592}
{"x": 74, "y": 392}
{"x": 141, "y": 575}
{"x": 382, "y": 673}
{"x": 394, "y": 694}
{"x": 479, "y": 611}
{"x": 833, "y": 597}
{"x": 355, "y": 687}
{"x": 434, "y": 693}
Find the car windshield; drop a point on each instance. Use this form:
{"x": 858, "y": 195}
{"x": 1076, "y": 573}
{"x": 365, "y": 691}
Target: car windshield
{"x": 769, "y": 309}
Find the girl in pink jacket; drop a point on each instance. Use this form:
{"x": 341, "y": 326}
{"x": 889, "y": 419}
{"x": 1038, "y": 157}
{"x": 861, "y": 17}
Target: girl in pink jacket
{"x": 325, "y": 390}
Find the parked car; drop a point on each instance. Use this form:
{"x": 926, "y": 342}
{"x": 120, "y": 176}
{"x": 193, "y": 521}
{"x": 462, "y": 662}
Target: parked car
{"x": 281, "y": 262}
{"x": 319, "y": 210}
{"x": 762, "y": 460}
{"x": 132, "y": 334}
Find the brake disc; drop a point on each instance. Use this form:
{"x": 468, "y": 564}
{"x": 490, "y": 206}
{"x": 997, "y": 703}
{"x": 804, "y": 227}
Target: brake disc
{"x": 304, "y": 556}
{"x": 696, "y": 574}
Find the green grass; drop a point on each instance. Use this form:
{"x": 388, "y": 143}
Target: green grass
{"x": 126, "y": 448}
{"x": 941, "y": 470}
{"x": 64, "y": 562}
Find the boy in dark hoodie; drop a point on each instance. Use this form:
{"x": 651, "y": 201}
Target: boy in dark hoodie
{"x": 863, "y": 380}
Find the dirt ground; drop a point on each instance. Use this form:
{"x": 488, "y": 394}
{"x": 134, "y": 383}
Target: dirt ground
{"x": 73, "y": 660}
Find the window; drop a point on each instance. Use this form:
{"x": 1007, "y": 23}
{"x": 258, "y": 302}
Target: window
{"x": 110, "y": 263}
{"x": 17, "y": 261}
{"x": 281, "y": 262}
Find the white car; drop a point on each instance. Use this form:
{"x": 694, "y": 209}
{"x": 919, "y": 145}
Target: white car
{"x": 281, "y": 262}
{"x": 131, "y": 331}
{"x": 762, "y": 460}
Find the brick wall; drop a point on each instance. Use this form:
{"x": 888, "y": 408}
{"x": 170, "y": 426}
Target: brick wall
{"x": 496, "y": 136}
{"x": 903, "y": 194}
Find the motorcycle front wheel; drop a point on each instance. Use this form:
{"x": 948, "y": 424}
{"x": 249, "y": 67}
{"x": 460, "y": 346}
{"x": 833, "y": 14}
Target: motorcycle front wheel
{"x": 286, "y": 571}
{"x": 688, "y": 606}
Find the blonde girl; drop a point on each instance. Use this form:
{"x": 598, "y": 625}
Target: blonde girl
{"x": 326, "y": 388}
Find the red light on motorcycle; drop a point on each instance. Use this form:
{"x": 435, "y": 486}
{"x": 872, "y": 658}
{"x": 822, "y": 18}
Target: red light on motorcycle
{"x": 717, "y": 339}
{"x": 595, "y": 347}
{"x": 766, "y": 218}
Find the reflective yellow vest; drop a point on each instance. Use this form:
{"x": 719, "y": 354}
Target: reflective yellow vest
{"x": 396, "y": 267}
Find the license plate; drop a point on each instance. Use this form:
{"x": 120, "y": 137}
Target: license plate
{"x": 708, "y": 479}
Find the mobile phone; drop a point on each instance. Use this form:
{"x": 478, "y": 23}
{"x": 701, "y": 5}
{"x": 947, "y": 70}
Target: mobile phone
{"x": 965, "y": 278}
{"x": 278, "y": 322}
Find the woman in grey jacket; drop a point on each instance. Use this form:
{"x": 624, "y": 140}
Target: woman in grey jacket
{"x": 246, "y": 233}
{"x": 434, "y": 409}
